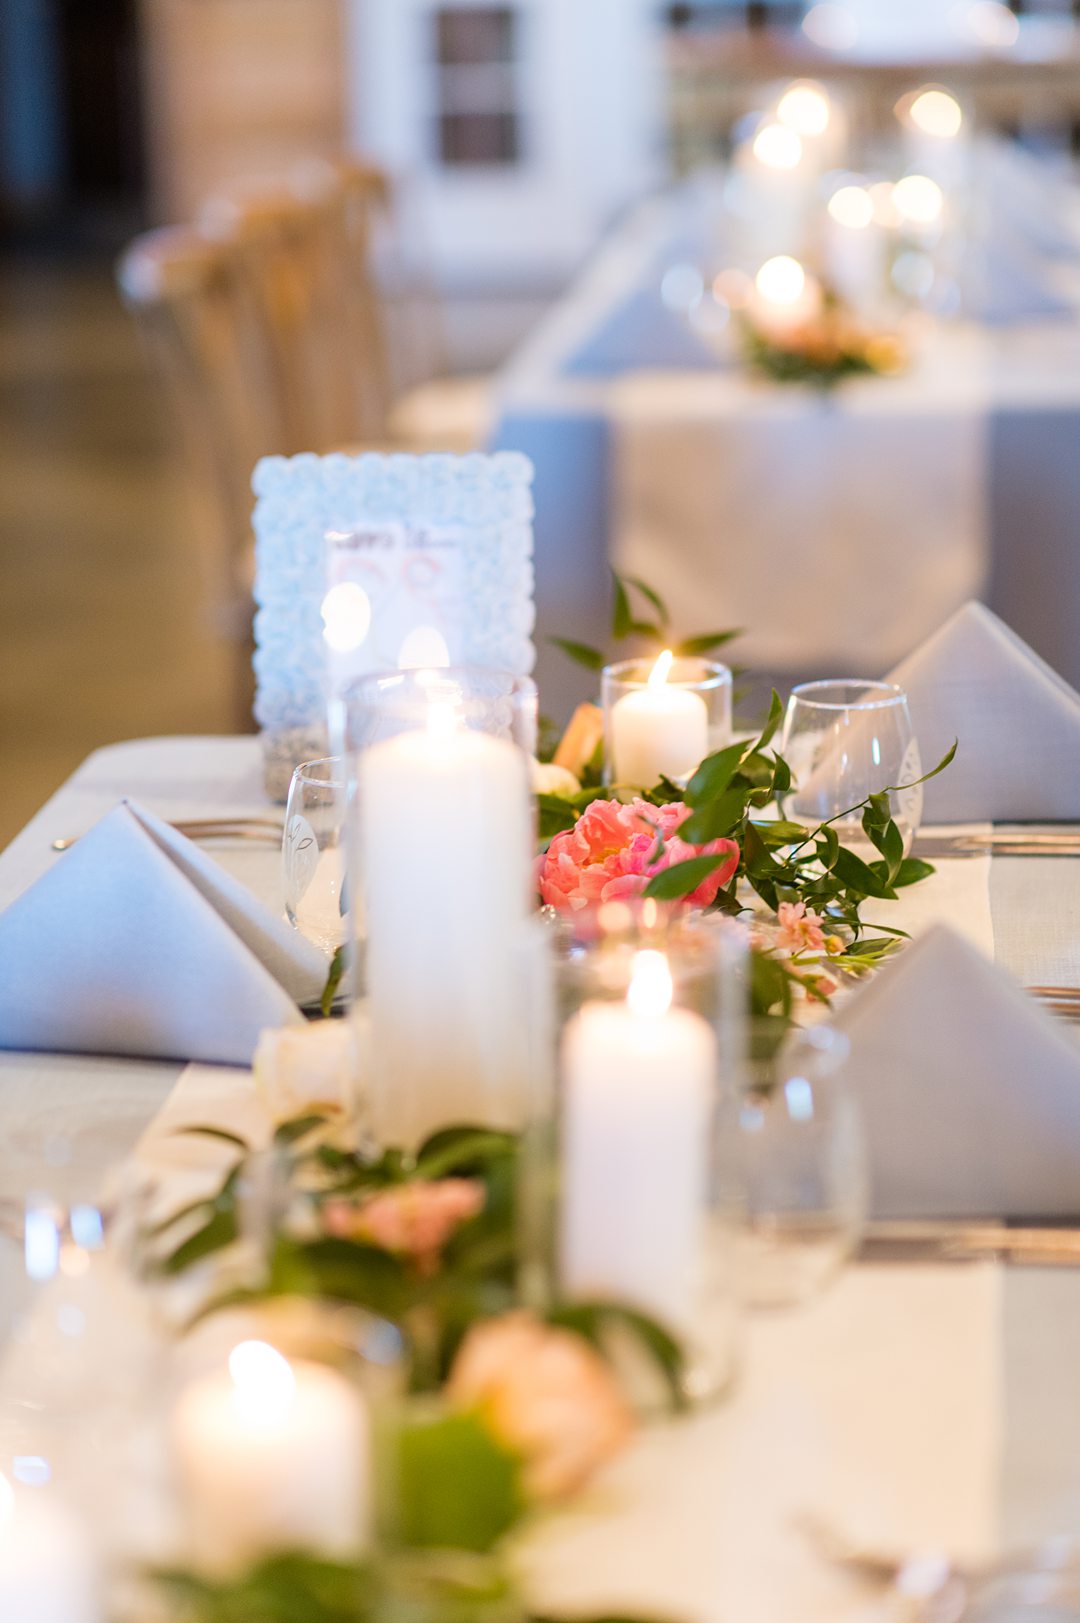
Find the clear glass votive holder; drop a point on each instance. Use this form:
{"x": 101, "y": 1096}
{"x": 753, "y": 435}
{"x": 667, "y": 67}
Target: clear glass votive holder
{"x": 313, "y": 852}
{"x": 278, "y": 1434}
{"x": 442, "y": 841}
{"x": 630, "y": 1196}
{"x": 845, "y": 740}
{"x": 662, "y": 717}
{"x": 804, "y": 1167}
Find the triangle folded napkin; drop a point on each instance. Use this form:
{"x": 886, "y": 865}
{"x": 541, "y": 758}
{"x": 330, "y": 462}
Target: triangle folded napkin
{"x": 1017, "y": 722}
{"x": 135, "y": 943}
{"x": 970, "y": 1094}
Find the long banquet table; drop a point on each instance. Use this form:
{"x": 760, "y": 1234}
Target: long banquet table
{"x": 920, "y": 1407}
{"x": 656, "y": 455}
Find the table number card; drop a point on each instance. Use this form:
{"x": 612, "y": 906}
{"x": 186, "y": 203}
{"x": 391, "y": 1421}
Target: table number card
{"x": 365, "y": 563}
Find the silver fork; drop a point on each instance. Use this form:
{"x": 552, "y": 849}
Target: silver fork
{"x": 208, "y": 828}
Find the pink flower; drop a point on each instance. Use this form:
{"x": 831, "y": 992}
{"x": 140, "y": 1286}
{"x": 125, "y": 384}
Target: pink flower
{"x": 608, "y": 855}
{"x": 800, "y": 928}
{"x": 413, "y": 1219}
{"x": 546, "y": 1395}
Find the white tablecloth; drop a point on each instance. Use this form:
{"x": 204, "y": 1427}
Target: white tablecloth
{"x": 921, "y": 1407}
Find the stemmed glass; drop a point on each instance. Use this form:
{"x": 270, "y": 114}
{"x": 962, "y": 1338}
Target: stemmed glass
{"x": 844, "y": 741}
{"x": 313, "y": 852}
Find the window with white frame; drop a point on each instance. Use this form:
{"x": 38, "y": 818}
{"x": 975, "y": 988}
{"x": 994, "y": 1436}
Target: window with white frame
{"x": 478, "y": 116}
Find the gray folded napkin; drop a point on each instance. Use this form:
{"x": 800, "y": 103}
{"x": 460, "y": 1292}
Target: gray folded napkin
{"x": 970, "y": 1093}
{"x": 136, "y": 943}
{"x": 1017, "y": 721}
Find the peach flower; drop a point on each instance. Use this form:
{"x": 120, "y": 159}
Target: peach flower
{"x": 608, "y": 855}
{"x": 801, "y": 929}
{"x": 413, "y": 1219}
{"x": 547, "y": 1395}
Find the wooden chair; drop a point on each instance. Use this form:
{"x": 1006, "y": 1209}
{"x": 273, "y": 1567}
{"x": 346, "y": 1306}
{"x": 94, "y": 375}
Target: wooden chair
{"x": 202, "y": 335}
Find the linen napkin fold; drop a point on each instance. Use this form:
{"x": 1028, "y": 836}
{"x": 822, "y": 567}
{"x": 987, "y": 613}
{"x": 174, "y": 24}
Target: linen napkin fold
{"x": 136, "y": 943}
{"x": 1017, "y": 721}
{"x": 970, "y": 1094}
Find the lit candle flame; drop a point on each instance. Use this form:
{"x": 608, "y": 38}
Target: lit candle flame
{"x": 651, "y": 989}
{"x": 262, "y": 1377}
{"x": 662, "y": 669}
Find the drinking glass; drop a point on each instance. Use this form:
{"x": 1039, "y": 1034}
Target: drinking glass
{"x": 313, "y": 852}
{"x": 804, "y": 1168}
{"x": 845, "y": 740}
{"x": 631, "y": 1190}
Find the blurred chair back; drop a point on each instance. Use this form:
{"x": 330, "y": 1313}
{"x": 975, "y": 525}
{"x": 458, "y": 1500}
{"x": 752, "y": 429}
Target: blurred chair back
{"x": 190, "y": 302}
{"x": 303, "y": 249}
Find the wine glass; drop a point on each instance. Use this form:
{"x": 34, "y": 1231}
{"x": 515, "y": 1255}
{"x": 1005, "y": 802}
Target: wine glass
{"x": 313, "y": 852}
{"x": 804, "y": 1170}
{"x": 844, "y": 741}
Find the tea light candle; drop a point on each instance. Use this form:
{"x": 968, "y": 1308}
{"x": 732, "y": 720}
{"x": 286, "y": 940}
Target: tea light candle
{"x": 272, "y": 1455}
{"x": 47, "y": 1570}
{"x": 446, "y": 853}
{"x": 659, "y": 730}
{"x": 784, "y": 296}
{"x": 639, "y": 1082}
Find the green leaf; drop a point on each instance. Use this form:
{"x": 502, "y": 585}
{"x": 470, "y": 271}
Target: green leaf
{"x": 333, "y": 981}
{"x": 946, "y": 760}
{"x": 683, "y": 877}
{"x": 695, "y": 647}
{"x": 290, "y": 1132}
{"x": 911, "y": 871}
{"x": 622, "y": 619}
{"x": 219, "y": 1133}
{"x": 556, "y": 814}
{"x": 714, "y": 775}
{"x": 580, "y": 653}
{"x": 827, "y": 841}
{"x": 343, "y": 1270}
{"x": 652, "y": 596}
{"x": 716, "y": 819}
{"x": 221, "y": 1230}
{"x": 859, "y": 876}
{"x": 779, "y": 832}
{"x": 458, "y": 1487}
{"x": 772, "y": 724}
{"x": 462, "y": 1150}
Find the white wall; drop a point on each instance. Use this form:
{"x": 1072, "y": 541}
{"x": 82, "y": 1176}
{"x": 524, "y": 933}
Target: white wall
{"x": 592, "y": 102}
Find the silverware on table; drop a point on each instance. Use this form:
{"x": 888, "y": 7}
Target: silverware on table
{"x": 1018, "y": 840}
{"x": 211, "y": 828}
{"x": 944, "y": 1241}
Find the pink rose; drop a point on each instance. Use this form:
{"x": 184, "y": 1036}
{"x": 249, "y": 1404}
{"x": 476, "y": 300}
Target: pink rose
{"x": 546, "y": 1395}
{"x": 800, "y": 928}
{"x": 413, "y": 1219}
{"x": 608, "y": 855}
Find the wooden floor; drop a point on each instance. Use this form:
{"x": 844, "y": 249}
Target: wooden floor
{"x": 104, "y": 633}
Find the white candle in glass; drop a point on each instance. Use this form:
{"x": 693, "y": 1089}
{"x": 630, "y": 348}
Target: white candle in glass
{"x": 272, "y": 1455}
{"x": 446, "y": 848}
{"x": 639, "y": 1080}
{"x": 660, "y": 730}
{"x": 784, "y": 296}
{"x": 48, "y": 1573}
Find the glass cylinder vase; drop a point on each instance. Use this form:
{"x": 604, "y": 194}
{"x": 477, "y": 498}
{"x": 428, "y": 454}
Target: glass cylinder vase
{"x": 631, "y": 1197}
{"x": 441, "y": 845}
{"x": 662, "y": 717}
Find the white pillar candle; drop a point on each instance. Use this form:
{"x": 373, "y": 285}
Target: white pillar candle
{"x": 48, "y": 1573}
{"x": 639, "y": 1080}
{"x": 660, "y": 730}
{"x": 446, "y": 854}
{"x": 272, "y": 1455}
